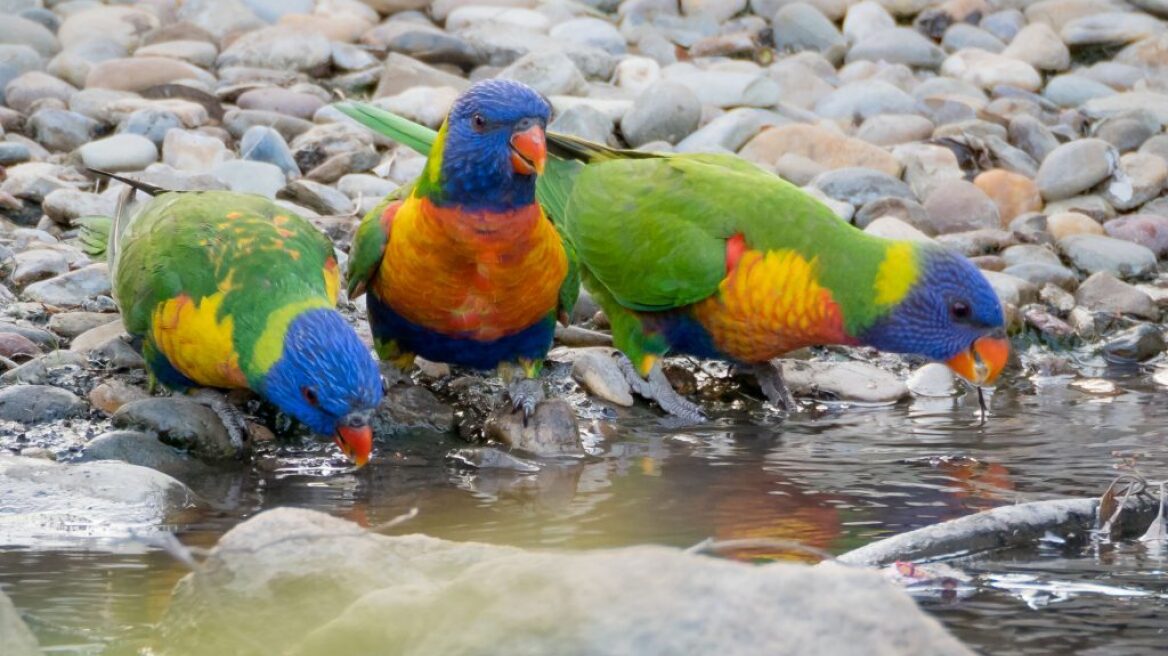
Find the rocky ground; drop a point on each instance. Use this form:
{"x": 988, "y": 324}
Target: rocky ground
{"x": 1027, "y": 135}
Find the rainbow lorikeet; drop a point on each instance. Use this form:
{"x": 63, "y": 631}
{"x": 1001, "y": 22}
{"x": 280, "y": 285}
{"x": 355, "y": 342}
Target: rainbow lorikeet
{"x": 463, "y": 266}
{"x": 709, "y": 255}
{"x": 230, "y": 290}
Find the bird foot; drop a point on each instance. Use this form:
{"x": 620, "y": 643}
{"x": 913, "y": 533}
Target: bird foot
{"x": 657, "y": 388}
{"x": 770, "y": 379}
{"x": 525, "y": 394}
{"x": 391, "y": 374}
{"x": 232, "y": 418}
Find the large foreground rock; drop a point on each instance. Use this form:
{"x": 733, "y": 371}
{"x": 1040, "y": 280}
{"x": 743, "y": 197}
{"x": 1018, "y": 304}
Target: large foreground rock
{"x": 51, "y": 504}
{"x": 15, "y": 638}
{"x": 308, "y": 583}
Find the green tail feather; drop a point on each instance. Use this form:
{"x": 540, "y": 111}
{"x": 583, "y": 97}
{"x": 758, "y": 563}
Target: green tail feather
{"x": 402, "y": 130}
{"x": 94, "y": 235}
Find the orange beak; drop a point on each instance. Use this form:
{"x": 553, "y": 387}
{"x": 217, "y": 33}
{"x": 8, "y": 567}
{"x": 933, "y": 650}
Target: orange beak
{"x": 355, "y": 439}
{"x": 529, "y": 151}
{"x": 983, "y": 361}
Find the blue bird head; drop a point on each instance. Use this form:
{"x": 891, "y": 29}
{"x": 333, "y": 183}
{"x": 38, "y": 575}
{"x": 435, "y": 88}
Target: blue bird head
{"x": 327, "y": 379}
{"x": 494, "y": 147}
{"x": 951, "y": 314}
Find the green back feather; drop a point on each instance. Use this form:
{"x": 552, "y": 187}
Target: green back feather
{"x": 184, "y": 243}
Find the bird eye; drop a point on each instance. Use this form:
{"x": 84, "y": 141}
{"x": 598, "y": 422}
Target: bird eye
{"x": 959, "y": 309}
{"x": 478, "y": 122}
{"x": 310, "y": 396}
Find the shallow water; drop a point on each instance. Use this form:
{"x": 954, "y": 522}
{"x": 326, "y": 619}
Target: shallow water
{"x": 834, "y": 479}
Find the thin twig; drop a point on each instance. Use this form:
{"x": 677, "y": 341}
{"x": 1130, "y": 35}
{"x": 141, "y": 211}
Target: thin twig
{"x": 711, "y": 545}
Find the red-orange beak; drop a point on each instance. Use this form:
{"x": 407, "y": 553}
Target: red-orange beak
{"x": 529, "y": 151}
{"x": 355, "y": 439}
{"x": 983, "y": 361}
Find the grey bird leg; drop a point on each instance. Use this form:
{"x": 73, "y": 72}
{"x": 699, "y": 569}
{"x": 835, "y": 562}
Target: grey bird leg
{"x": 233, "y": 420}
{"x": 770, "y": 379}
{"x": 525, "y": 394}
{"x": 657, "y": 388}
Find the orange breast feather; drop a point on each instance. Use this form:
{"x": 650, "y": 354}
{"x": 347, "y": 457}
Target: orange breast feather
{"x": 482, "y": 275}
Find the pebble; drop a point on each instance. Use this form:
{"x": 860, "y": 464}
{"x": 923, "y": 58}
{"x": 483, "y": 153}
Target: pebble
{"x": 894, "y": 129}
{"x": 666, "y": 111}
{"x": 1044, "y": 273}
{"x": 18, "y": 31}
{"x": 963, "y": 35}
{"x": 249, "y": 177}
{"x": 282, "y": 101}
{"x": 585, "y": 122}
{"x": 1147, "y": 230}
{"x": 932, "y": 380}
{"x": 72, "y": 324}
{"x": 845, "y": 381}
{"x": 1065, "y": 224}
{"x": 61, "y": 130}
{"x": 858, "y": 186}
{"x": 140, "y": 73}
{"x": 426, "y": 105}
{"x": 263, "y": 144}
{"x": 597, "y": 371}
{"x": 317, "y": 197}
{"x": 18, "y": 348}
{"x": 1139, "y": 178}
{"x": 238, "y": 121}
{"x": 897, "y": 45}
{"x": 198, "y": 53}
{"x": 193, "y": 151}
{"x": 1103, "y": 292}
{"x": 1075, "y": 167}
{"x": 414, "y": 406}
{"x": 799, "y": 26}
{"x": 72, "y": 289}
{"x": 1012, "y": 193}
{"x": 38, "y": 264}
{"x": 590, "y": 32}
{"x": 33, "y": 404}
{"x": 550, "y": 73}
{"x": 1070, "y": 90}
{"x": 725, "y": 88}
{"x": 957, "y": 205}
{"x": 988, "y": 70}
{"x": 33, "y": 87}
{"x": 1095, "y": 253}
{"x": 121, "y": 152}
{"x": 1153, "y": 102}
{"x": 137, "y": 448}
{"x": 1110, "y": 28}
{"x": 151, "y": 123}
{"x": 181, "y": 423}
{"x": 1040, "y": 46}
{"x": 828, "y": 149}
{"x": 550, "y": 432}
{"x": 1136, "y": 344}
{"x": 113, "y": 394}
{"x": 1127, "y": 132}
{"x": 279, "y": 48}
{"x": 125, "y": 25}
{"x": 864, "y": 99}
{"x": 866, "y": 18}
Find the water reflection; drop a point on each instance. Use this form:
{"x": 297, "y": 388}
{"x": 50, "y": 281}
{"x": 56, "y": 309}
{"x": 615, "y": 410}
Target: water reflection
{"x": 834, "y": 479}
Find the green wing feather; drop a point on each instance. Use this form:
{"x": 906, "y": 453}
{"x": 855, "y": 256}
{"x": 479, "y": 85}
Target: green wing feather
{"x": 652, "y": 229}
{"x": 369, "y": 244}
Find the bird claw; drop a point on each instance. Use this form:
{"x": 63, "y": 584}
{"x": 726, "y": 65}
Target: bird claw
{"x": 233, "y": 420}
{"x": 770, "y": 379}
{"x": 657, "y": 388}
{"x": 525, "y": 394}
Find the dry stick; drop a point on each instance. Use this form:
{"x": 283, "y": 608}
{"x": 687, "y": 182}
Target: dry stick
{"x": 712, "y": 545}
